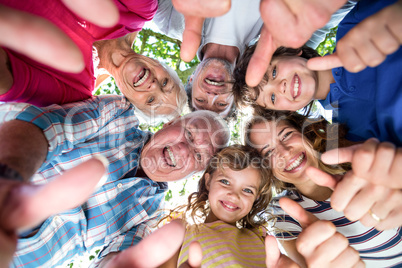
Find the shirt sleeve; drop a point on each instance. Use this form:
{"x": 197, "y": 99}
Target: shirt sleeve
{"x": 67, "y": 125}
{"x": 319, "y": 35}
{"x": 123, "y": 241}
{"x": 284, "y": 226}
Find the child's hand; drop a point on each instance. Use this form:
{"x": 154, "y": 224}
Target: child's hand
{"x": 47, "y": 43}
{"x": 366, "y": 44}
{"x": 319, "y": 242}
{"x": 287, "y": 23}
{"x": 23, "y": 205}
{"x": 275, "y": 259}
{"x": 195, "y": 12}
{"x": 375, "y": 205}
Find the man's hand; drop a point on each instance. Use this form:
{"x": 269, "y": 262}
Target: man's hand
{"x": 153, "y": 250}
{"x": 42, "y": 41}
{"x": 374, "y": 204}
{"x": 366, "y": 44}
{"x": 195, "y": 12}
{"x": 319, "y": 242}
{"x": 287, "y": 23}
{"x": 23, "y": 205}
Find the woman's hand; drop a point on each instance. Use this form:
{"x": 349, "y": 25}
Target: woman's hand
{"x": 369, "y": 192}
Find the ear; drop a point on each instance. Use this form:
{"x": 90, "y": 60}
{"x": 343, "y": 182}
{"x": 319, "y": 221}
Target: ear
{"x": 300, "y": 53}
{"x": 171, "y": 121}
{"x": 191, "y": 78}
{"x": 207, "y": 180}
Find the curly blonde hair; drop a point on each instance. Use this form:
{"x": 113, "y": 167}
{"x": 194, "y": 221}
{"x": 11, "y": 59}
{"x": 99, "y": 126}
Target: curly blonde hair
{"x": 236, "y": 157}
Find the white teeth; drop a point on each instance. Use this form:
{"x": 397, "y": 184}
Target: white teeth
{"x": 210, "y": 82}
{"x": 229, "y": 206}
{"x": 296, "y": 87}
{"x": 295, "y": 163}
{"x": 171, "y": 156}
{"x": 142, "y": 79}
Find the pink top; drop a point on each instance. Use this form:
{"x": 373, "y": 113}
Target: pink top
{"x": 41, "y": 85}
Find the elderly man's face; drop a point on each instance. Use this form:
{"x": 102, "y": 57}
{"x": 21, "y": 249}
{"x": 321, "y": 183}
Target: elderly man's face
{"x": 182, "y": 147}
{"x": 210, "y": 88}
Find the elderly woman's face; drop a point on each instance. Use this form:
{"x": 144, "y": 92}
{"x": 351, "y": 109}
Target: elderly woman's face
{"x": 148, "y": 85}
{"x": 287, "y": 150}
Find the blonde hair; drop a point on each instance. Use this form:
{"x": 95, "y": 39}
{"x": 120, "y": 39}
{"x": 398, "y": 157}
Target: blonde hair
{"x": 236, "y": 157}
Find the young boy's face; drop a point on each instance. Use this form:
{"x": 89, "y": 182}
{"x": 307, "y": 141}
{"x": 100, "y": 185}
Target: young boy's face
{"x": 291, "y": 85}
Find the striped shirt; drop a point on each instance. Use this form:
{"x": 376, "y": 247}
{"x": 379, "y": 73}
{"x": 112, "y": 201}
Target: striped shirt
{"x": 376, "y": 248}
{"x": 224, "y": 245}
{"x": 118, "y": 215}
{"x": 103, "y": 125}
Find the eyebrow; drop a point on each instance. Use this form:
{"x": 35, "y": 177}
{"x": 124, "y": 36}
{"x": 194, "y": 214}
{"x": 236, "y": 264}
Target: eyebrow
{"x": 280, "y": 133}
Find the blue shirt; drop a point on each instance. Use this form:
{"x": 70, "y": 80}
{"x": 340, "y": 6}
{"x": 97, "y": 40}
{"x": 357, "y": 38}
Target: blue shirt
{"x": 368, "y": 102}
{"x": 118, "y": 215}
{"x": 103, "y": 125}
{"x": 121, "y": 211}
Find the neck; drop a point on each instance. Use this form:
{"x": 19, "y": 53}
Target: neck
{"x": 229, "y": 53}
{"x": 325, "y": 79}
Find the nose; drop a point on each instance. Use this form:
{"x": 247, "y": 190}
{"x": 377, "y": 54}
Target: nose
{"x": 281, "y": 86}
{"x": 282, "y": 150}
{"x": 155, "y": 85}
{"x": 211, "y": 97}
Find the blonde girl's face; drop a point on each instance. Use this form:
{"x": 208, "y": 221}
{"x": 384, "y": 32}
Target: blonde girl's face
{"x": 232, "y": 193}
{"x": 288, "y": 151}
{"x": 291, "y": 85}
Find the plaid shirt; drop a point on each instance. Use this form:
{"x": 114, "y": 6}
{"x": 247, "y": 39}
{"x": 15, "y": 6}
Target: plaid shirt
{"x": 118, "y": 214}
{"x": 103, "y": 125}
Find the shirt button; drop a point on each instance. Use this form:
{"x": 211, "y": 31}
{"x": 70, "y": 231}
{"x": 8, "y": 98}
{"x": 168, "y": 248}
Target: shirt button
{"x": 56, "y": 219}
{"x": 336, "y": 89}
{"x": 119, "y": 185}
{"x": 352, "y": 89}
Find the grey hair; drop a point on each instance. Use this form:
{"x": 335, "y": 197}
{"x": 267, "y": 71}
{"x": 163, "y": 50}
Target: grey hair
{"x": 219, "y": 123}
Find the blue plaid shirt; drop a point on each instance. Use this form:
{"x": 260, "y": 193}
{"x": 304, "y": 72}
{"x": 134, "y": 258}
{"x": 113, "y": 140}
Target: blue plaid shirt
{"x": 121, "y": 211}
{"x": 103, "y": 125}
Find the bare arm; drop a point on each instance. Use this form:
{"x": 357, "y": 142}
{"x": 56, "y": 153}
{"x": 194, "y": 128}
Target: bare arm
{"x": 23, "y": 147}
{"x": 6, "y": 77}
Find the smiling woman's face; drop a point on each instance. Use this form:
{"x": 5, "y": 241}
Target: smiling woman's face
{"x": 286, "y": 148}
{"x": 148, "y": 85}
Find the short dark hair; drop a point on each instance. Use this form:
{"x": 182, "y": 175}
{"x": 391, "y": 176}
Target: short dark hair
{"x": 245, "y": 95}
{"x": 232, "y": 115}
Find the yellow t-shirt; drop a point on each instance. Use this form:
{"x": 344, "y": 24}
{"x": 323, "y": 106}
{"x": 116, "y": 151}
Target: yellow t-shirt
{"x": 224, "y": 245}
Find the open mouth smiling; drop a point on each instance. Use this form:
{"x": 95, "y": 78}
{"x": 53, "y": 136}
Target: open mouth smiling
{"x": 229, "y": 206}
{"x": 296, "y": 163}
{"x": 213, "y": 82}
{"x": 141, "y": 77}
{"x": 296, "y": 90}
{"x": 169, "y": 157}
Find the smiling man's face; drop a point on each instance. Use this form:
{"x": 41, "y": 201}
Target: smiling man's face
{"x": 212, "y": 87}
{"x": 182, "y": 147}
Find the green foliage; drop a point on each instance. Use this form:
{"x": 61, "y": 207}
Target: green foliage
{"x": 164, "y": 49}
{"x": 328, "y": 45}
